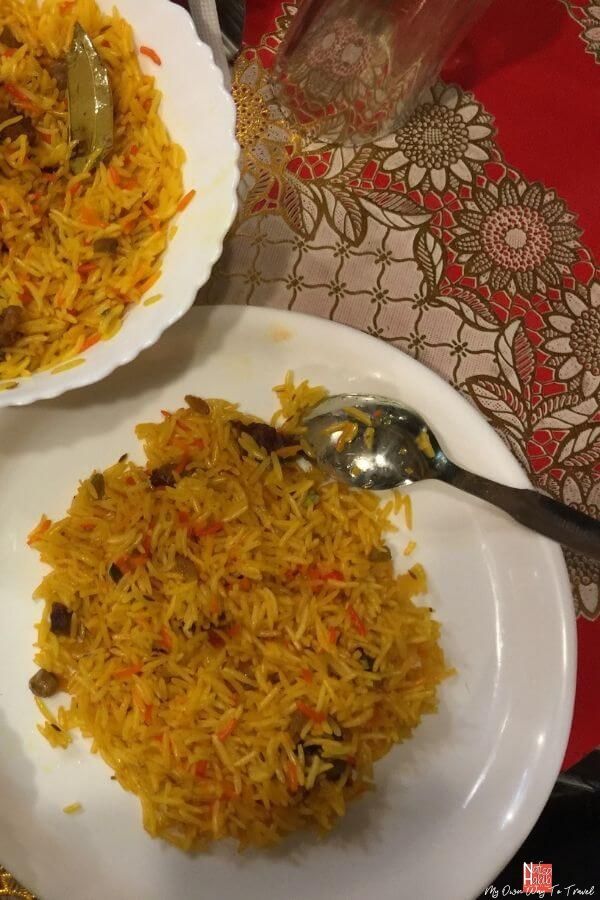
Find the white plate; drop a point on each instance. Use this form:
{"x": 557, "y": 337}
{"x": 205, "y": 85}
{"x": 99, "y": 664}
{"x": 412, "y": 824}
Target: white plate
{"x": 454, "y": 803}
{"x": 200, "y": 115}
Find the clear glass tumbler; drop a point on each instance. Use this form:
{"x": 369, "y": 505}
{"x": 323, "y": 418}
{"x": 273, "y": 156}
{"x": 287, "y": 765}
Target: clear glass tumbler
{"x": 348, "y": 71}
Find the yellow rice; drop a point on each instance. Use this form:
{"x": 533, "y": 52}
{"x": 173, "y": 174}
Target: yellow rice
{"x": 222, "y": 698}
{"x": 72, "y": 296}
{"x": 72, "y": 808}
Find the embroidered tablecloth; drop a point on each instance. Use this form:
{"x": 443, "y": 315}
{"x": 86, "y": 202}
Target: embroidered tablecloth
{"x": 464, "y": 240}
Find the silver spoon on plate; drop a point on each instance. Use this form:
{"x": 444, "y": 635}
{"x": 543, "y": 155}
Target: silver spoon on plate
{"x": 375, "y": 443}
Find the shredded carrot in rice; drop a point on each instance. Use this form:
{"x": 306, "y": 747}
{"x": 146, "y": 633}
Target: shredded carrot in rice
{"x": 128, "y": 671}
{"x": 224, "y": 732}
{"x": 185, "y": 201}
{"x": 291, "y": 771}
{"x": 90, "y": 341}
{"x": 166, "y": 639}
{"x": 89, "y": 216}
{"x": 86, "y": 268}
{"x": 151, "y": 54}
{"x": 314, "y": 715}
{"x": 356, "y": 620}
{"x": 148, "y": 283}
{"x": 40, "y": 529}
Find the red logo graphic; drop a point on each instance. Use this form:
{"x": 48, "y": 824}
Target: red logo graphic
{"x": 537, "y": 878}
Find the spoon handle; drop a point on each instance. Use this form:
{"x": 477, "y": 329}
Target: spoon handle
{"x": 539, "y": 512}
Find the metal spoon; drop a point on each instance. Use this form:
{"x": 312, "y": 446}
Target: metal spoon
{"x": 401, "y": 448}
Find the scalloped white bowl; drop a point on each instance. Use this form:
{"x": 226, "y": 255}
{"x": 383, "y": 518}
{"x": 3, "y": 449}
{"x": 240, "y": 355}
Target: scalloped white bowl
{"x": 200, "y": 115}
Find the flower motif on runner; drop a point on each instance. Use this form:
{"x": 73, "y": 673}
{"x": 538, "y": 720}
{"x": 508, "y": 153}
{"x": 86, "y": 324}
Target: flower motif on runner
{"x": 585, "y": 578}
{"x": 583, "y": 493}
{"x": 591, "y": 31}
{"x": 264, "y": 137}
{"x": 573, "y": 339}
{"x": 308, "y": 184}
{"x": 516, "y": 236}
{"x": 588, "y": 17}
{"x": 444, "y": 143}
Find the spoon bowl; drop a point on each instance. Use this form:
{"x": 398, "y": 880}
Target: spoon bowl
{"x": 373, "y": 442}
{"x": 384, "y": 445}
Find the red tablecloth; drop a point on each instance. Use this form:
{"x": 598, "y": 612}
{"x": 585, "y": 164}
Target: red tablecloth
{"x": 496, "y": 289}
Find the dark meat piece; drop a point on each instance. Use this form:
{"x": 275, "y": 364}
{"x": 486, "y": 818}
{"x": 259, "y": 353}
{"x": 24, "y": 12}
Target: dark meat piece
{"x": 380, "y": 554}
{"x": 219, "y": 621}
{"x": 310, "y": 752}
{"x": 57, "y": 69}
{"x": 123, "y": 457}
{"x": 186, "y": 567}
{"x": 337, "y": 770}
{"x": 197, "y": 404}
{"x": 115, "y": 572}
{"x": 10, "y": 325}
{"x": 264, "y": 435}
{"x": 9, "y": 39}
{"x": 14, "y": 131}
{"x": 163, "y": 476}
{"x": 296, "y": 724}
{"x": 43, "y": 683}
{"x": 188, "y": 630}
{"x": 366, "y": 661}
{"x": 108, "y": 245}
{"x": 60, "y": 619}
{"x": 97, "y": 482}
{"x": 338, "y": 766}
